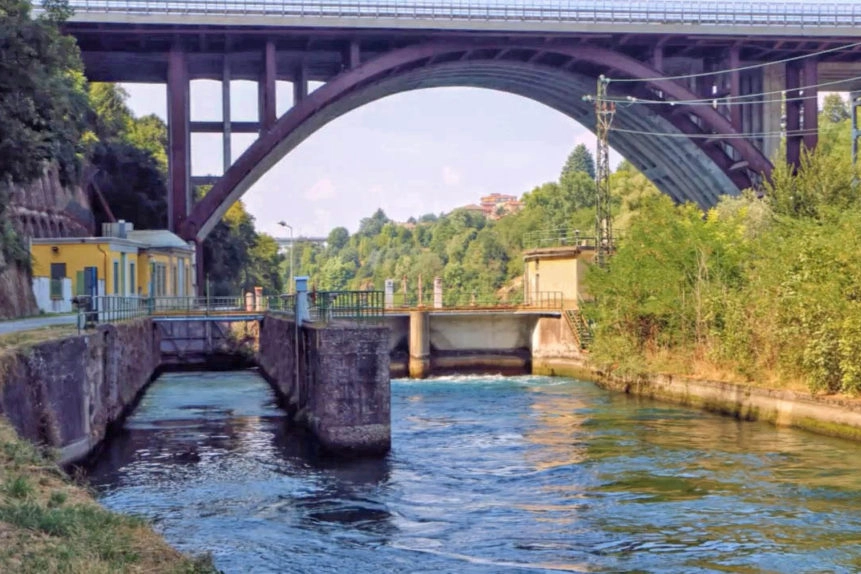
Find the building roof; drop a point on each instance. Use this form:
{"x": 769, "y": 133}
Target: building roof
{"x": 156, "y": 238}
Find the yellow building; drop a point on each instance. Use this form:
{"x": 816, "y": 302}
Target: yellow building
{"x": 556, "y": 270}
{"x": 125, "y": 262}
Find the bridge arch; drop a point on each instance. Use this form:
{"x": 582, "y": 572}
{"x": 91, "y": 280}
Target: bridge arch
{"x": 686, "y": 169}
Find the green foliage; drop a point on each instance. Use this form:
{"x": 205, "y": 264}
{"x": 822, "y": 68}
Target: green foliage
{"x": 43, "y": 103}
{"x": 764, "y": 287}
{"x": 18, "y": 487}
{"x": 579, "y": 160}
{"x": 237, "y": 258}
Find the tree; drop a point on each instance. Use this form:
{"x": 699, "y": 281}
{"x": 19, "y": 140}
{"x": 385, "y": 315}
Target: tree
{"x": 113, "y": 118}
{"x": 579, "y": 160}
{"x": 835, "y": 109}
{"x": 43, "y": 103}
{"x": 337, "y": 239}
{"x": 371, "y": 226}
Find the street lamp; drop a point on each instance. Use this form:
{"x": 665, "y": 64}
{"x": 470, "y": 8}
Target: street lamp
{"x": 283, "y": 224}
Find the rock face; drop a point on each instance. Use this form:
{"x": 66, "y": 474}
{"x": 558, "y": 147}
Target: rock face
{"x": 43, "y": 208}
{"x": 16, "y": 292}
{"x": 65, "y": 393}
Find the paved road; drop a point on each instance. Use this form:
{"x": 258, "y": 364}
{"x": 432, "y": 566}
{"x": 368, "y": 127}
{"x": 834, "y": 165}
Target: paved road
{"x": 7, "y": 327}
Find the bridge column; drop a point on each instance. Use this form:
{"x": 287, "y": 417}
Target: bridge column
{"x": 735, "y": 87}
{"x": 773, "y": 82}
{"x": 419, "y": 366}
{"x": 802, "y": 109}
{"x": 300, "y": 85}
{"x": 793, "y": 114}
{"x": 179, "y": 164}
{"x": 266, "y": 88}
{"x": 227, "y": 154}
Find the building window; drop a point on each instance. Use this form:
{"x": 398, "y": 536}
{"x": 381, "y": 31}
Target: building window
{"x": 58, "y": 273}
{"x": 159, "y": 280}
{"x": 116, "y": 277}
{"x": 133, "y": 280}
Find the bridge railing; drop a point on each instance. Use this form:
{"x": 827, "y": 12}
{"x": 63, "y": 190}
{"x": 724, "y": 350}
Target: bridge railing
{"x": 729, "y": 12}
{"x": 112, "y": 308}
{"x": 487, "y": 301}
{"x": 359, "y": 307}
{"x": 558, "y": 237}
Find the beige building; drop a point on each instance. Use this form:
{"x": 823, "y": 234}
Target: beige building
{"x": 556, "y": 270}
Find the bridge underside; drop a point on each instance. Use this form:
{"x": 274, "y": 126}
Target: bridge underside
{"x": 706, "y": 150}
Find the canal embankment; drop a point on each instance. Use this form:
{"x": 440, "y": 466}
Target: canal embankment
{"x": 50, "y": 524}
{"x": 831, "y": 415}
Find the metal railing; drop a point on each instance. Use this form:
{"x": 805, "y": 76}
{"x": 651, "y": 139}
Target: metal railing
{"x": 324, "y": 306}
{"x": 558, "y": 237}
{"x": 710, "y": 13}
{"x": 353, "y": 306}
{"x": 475, "y": 300}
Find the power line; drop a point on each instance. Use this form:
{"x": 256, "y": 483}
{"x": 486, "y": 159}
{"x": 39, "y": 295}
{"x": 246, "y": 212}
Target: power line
{"x": 740, "y": 68}
{"x": 731, "y": 100}
{"x": 789, "y": 133}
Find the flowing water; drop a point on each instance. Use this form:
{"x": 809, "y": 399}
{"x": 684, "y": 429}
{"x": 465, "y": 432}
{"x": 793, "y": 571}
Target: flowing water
{"x": 486, "y": 474}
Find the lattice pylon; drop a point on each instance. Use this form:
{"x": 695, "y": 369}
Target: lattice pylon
{"x": 604, "y": 113}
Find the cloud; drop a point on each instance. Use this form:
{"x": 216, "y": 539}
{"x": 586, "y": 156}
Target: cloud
{"x": 450, "y": 176}
{"x": 321, "y": 190}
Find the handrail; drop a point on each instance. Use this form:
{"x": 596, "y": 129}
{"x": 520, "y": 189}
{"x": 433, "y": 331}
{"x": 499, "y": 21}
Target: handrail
{"x": 660, "y": 12}
{"x": 474, "y": 300}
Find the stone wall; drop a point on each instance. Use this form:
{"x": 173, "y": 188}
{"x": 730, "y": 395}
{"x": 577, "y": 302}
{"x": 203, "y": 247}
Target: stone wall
{"x": 46, "y": 208}
{"x": 336, "y": 383}
{"x": 43, "y": 208}
{"x": 65, "y": 393}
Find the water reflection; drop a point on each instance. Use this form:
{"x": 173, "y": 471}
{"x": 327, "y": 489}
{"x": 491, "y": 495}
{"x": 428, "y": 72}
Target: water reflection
{"x": 486, "y": 475}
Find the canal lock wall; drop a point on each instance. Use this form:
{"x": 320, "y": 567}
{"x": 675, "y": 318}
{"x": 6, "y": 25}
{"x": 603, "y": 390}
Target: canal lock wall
{"x": 336, "y": 383}
{"x": 66, "y": 393}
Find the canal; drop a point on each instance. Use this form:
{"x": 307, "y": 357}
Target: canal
{"x": 487, "y": 474}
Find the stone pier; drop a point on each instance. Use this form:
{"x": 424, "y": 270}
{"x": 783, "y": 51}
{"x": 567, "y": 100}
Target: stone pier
{"x": 420, "y": 363}
{"x": 335, "y": 382}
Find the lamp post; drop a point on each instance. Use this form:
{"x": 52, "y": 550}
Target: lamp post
{"x": 283, "y": 224}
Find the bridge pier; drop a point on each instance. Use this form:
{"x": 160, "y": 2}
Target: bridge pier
{"x": 420, "y": 360}
{"x": 179, "y": 146}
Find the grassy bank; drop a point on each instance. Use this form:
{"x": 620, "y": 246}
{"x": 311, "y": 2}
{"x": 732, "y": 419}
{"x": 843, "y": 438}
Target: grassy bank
{"x": 49, "y": 524}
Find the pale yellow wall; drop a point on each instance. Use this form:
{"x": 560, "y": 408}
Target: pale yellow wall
{"x": 76, "y": 256}
{"x": 136, "y": 280}
{"x": 555, "y": 275}
{"x": 172, "y": 263}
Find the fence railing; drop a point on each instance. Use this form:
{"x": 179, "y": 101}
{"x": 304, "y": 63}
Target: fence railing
{"x": 113, "y": 308}
{"x": 558, "y": 237}
{"x": 482, "y": 300}
{"x": 710, "y": 13}
{"x": 353, "y": 306}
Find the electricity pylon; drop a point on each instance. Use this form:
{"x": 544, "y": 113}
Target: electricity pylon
{"x": 604, "y": 113}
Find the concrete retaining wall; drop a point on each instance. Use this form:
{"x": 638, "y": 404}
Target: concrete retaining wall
{"x": 336, "y": 383}
{"x": 65, "y": 393}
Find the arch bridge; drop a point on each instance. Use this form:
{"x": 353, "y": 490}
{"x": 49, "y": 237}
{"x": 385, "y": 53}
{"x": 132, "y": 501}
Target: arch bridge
{"x": 720, "y": 83}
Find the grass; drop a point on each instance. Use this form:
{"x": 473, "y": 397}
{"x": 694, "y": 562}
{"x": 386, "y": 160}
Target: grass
{"x": 48, "y": 524}
{"x": 22, "y": 339}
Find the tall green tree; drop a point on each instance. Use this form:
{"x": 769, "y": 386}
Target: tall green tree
{"x": 43, "y": 101}
{"x": 579, "y": 160}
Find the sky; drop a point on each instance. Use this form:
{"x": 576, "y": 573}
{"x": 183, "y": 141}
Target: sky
{"x": 426, "y": 151}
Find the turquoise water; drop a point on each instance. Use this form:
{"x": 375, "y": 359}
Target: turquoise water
{"x": 486, "y": 474}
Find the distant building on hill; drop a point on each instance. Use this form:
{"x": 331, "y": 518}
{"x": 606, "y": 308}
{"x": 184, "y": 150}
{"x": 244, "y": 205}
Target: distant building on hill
{"x": 495, "y": 205}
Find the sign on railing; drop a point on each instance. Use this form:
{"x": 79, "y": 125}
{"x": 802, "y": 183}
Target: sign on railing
{"x": 730, "y": 12}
